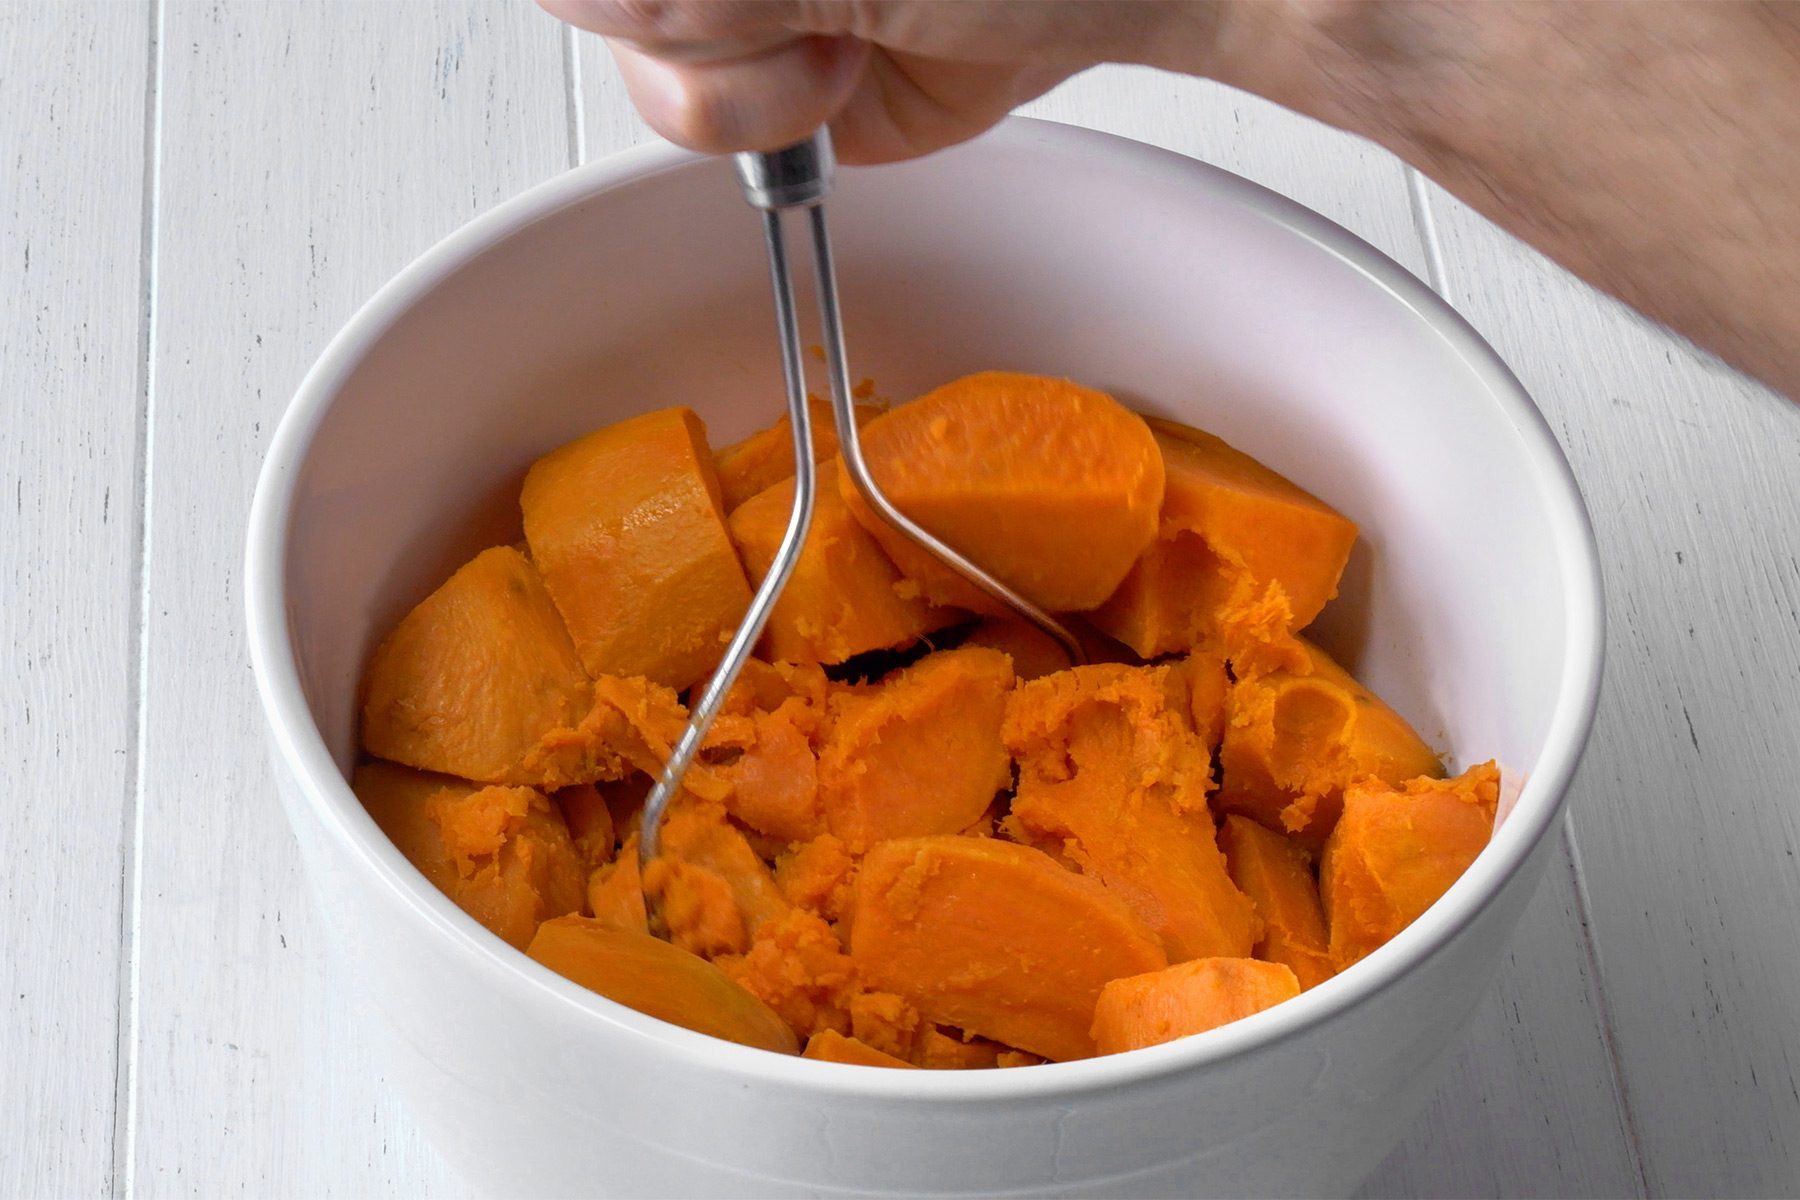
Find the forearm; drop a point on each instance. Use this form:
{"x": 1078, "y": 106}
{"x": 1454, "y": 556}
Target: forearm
{"x": 1652, "y": 149}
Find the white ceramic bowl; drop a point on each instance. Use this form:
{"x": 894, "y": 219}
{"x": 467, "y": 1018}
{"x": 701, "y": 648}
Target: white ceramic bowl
{"x": 1473, "y": 603}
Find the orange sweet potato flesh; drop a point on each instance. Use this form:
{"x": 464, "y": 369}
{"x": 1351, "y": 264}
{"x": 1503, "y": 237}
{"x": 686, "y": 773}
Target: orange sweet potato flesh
{"x": 1294, "y": 741}
{"x": 1051, "y": 486}
{"x": 764, "y": 746}
{"x": 855, "y": 859}
{"x": 1187, "y": 998}
{"x": 816, "y": 875}
{"x": 1034, "y": 653}
{"x": 502, "y": 854}
{"x": 775, "y": 778}
{"x": 615, "y": 892}
{"x": 828, "y": 1045}
{"x": 472, "y": 679}
{"x": 797, "y": 966}
{"x": 918, "y": 753}
{"x": 626, "y": 526}
{"x": 888, "y": 1023}
{"x": 589, "y": 821}
{"x": 1396, "y": 850}
{"x": 766, "y": 457}
{"x": 1229, "y": 526}
{"x": 631, "y": 726}
{"x": 1278, "y": 878}
{"x": 844, "y": 596}
{"x": 659, "y": 979}
{"x": 995, "y": 939}
{"x": 713, "y": 890}
{"x": 1113, "y": 778}
{"x": 1207, "y": 684}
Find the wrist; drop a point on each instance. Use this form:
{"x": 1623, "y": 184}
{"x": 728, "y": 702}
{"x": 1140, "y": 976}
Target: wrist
{"x": 1383, "y": 69}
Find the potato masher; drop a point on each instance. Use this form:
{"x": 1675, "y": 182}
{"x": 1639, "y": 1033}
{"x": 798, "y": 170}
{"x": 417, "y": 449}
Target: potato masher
{"x": 799, "y": 177}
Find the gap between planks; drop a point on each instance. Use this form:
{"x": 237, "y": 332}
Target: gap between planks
{"x": 1603, "y": 1006}
{"x": 573, "y": 98}
{"x": 125, "y": 1060}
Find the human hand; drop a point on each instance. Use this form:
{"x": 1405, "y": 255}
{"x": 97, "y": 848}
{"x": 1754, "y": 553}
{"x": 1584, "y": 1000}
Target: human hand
{"x": 893, "y": 78}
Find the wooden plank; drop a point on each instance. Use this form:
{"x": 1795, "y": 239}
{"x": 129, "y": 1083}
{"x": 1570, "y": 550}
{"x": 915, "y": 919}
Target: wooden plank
{"x": 309, "y": 151}
{"x": 71, "y": 324}
{"x": 608, "y": 121}
{"x": 1353, "y": 182}
{"x": 1530, "y": 1106}
{"x": 1686, "y": 807}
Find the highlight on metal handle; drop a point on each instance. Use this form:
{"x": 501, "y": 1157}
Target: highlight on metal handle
{"x": 789, "y": 177}
{"x": 843, "y": 412}
{"x": 700, "y": 716}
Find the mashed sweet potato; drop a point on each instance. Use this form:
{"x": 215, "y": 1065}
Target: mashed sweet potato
{"x": 917, "y": 835}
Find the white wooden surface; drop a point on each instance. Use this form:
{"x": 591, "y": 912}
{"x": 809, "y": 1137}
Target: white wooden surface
{"x": 194, "y": 196}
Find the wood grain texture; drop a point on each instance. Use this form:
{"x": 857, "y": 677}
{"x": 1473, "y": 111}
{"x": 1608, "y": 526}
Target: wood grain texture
{"x": 309, "y": 151}
{"x": 608, "y": 121}
{"x": 71, "y": 316}
{"x": 1686, "y": 809}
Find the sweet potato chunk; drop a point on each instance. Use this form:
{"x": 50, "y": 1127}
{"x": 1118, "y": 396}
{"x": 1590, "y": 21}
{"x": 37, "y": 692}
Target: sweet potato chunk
{"x": 615, "y": 892}
{"x": 713, "y": 890}
{"x": 1207, "y": 684}
{"x": 775, "y": 779}
{"x": 816, "y": 875}
{"x": 590, "y": 823}
{"x": 1113, "y": 778}
{"x": 659, "y": 979}
{"x": 1034, "y": 653}
{"x": 631, "y": 726}
{"x": 502, "y": 854}
{"x": 1051, "y": 486}
{"x": 1229, "y": 526}
{"x": 472, "y": 679}
{"x": 919, "y": 752}
{"x": 797, "y": 966}
{"x": 1187, "y": 998}
{"x": 1396, "y": 850}
{"x": 888, "y": 1023}
{"x": 1293, "y": 741}
{"x": 764, "y": 747}
{"x": 828, "y": 1045}
{"x": 1277, "y": 877}
{"x": 941, "y": 1048}
{"x": 626, "y": 527}
{"x": 844, "y": 596}
{"x": 766, "y": 457}
{"x": 995, "y": 939}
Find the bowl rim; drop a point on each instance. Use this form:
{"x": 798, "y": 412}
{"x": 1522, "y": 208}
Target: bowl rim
{"x": 351, "y": 832}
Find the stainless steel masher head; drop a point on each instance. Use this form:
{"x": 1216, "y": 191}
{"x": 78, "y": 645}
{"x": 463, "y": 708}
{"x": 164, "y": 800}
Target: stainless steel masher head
{"x": 799, "y": 177}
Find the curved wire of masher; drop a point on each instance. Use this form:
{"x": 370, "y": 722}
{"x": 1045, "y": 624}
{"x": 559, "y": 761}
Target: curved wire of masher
{"x": 799, "y": 177}
{"x": 704, "y": 709}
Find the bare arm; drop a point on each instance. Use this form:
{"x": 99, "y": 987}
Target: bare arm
{"x": 1653, "y": 147}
